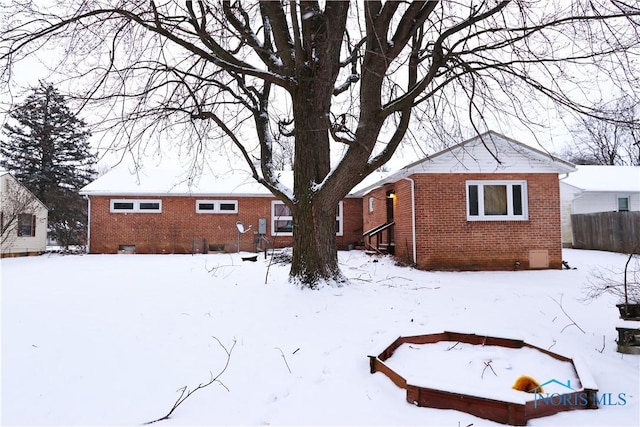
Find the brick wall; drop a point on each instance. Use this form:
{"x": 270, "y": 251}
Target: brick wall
{"x": 447, "y": 241}
{"x": 378, "y": 216}
{"x": 352, "y": 223}
{"x": 402, "y": 230}
{"x": 402, "y": 216}
{"x": 179, "y": 229}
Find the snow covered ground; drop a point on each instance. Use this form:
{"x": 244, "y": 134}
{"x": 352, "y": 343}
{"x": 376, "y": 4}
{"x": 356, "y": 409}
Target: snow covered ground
{"x": 110, "y": 339}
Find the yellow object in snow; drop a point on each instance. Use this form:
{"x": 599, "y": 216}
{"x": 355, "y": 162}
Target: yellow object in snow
{"x": 528, "y": 384}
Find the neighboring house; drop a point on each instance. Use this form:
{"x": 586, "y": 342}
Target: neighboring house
{"x": 23, "y": 219}
{"x": 593, "y": 189}
{"x": 161, "y": 211}
{"x": 489, "y": 203}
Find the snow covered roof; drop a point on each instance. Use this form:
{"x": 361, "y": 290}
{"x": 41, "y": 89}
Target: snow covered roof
{"x": 490, "y": 152}
{"x": 370, "y": 180}
{"x": 605, "y": 178}
{"x": 161, "y": 181}
{"x": 468, "y": 156}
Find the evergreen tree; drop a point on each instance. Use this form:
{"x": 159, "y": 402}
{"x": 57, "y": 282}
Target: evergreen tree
{"x": 47, "y": 149}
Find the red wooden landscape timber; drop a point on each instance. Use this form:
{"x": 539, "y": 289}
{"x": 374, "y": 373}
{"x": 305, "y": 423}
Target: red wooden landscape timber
{"x": 492, "y": 409}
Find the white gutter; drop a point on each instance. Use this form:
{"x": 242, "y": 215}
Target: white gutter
{"x": 413, "y": 217}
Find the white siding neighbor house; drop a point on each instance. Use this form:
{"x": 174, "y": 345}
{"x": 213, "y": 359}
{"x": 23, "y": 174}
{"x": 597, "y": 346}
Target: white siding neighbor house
{"x": 23, "y": 219}
{"x": 593, "y": 189}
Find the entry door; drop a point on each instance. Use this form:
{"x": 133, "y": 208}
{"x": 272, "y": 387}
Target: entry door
{"x": 391, "y": 198}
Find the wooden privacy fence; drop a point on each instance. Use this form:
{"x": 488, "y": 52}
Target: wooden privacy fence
{"x": 606, "y": 231}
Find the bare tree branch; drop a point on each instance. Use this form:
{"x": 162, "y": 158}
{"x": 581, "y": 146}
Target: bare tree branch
{"x": 573, "y": 322}
{"x": 185, "y": 392}
{"x": 353, "y": 81}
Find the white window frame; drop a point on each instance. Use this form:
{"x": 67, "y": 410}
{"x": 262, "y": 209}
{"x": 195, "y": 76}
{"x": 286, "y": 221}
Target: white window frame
{"x": 510, "y": 215}
{"x": 274, "y": 203}
{"x": 216, "y": 206}
{"x": 618, "y": 203}
{"x": 275, "y": 218}
{"x": 136, "y": 206}
{"x": 339, "y": 219}
{"x": 371, "y": 204}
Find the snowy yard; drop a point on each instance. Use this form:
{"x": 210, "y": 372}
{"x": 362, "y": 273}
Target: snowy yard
{"x": 110, "y": 339}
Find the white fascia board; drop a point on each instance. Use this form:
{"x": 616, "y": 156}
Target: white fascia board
{"x": 158, "y": 194}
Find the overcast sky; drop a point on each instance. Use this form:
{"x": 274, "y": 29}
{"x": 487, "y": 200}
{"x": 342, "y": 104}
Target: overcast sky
{"x": 27, "y": 73}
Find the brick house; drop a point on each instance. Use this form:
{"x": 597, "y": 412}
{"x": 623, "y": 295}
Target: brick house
{"x": 162, "y": 211}
{"x": 488, "y": 203}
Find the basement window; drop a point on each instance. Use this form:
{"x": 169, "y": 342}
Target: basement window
{"x": 497, "y": 201}
{"x": 135, "y": 206}
{"x": 217, "y": 206}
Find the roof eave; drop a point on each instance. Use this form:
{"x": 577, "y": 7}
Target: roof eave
{"x": 167, "y": 194}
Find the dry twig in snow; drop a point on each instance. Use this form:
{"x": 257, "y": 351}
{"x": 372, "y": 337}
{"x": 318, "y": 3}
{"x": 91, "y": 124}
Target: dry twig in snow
{"x": 213, "y": 379}
{"x": 573, "y": 322}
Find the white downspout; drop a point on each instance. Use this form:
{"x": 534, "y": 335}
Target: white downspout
{"x": 413, "y": 218}
{"x": 88, "y": 224}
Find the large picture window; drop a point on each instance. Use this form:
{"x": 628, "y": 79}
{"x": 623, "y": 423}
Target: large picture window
{"x": 497, "y": 201}
{"x": 134, "y": 205}
{"x": 282, "y": 219}
{"x": 217, "y": 206}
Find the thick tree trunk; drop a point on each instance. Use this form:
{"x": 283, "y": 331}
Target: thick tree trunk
{"x": 315, "y": 259}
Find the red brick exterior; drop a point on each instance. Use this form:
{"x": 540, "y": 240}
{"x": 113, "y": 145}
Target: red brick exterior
{"x": 448, "y": 241}
{"x": 179, "y": 229}
{"x": 379, "y": 214}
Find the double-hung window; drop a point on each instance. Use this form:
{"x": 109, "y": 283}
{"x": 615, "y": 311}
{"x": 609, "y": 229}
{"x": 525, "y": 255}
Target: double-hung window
{"x": 497, "y": 201}
{"x": 282, "y": 219}
{"x": 217, "y": 206}
{"x": 135, "y": 205}
{"x": 26, "y": 225}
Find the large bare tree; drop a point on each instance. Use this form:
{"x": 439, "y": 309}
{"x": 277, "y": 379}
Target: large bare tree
{"x": 614, "y": 140}
{"x": 345, "y": 81}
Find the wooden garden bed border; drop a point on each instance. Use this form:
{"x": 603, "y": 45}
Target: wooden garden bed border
{"x": 492, "y": 409}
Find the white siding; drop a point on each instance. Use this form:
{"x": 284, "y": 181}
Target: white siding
{"x": 574, "y": 200}
{"x": 37, "y": 243}
{"x": 591, "y": 202}
{"x": 11, "y": 190}
{"x": 567, "y": 194}
{"x": 486, "y": 153}
{"x": 474, "y": 157}
{"x": 634, "y": 202}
